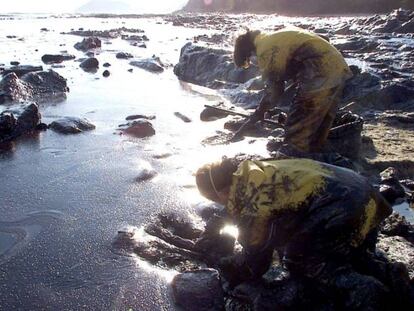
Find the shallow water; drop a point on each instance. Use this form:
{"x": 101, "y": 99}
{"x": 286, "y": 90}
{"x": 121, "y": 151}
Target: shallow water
{"x": 63, "y": 198}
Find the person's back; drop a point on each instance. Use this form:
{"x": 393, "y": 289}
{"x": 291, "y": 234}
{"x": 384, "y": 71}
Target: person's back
{"x": 264, "y": 191}
{"x": 293, "y": 50}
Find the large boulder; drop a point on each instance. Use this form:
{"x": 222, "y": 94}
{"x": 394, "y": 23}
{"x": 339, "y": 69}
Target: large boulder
{"x": 204, "y": 66}
{"x": 34, "y": 86}
{"x": 88, "y": 44}
{"x": 198, "y": 290}
{"x": 71, "y": 125}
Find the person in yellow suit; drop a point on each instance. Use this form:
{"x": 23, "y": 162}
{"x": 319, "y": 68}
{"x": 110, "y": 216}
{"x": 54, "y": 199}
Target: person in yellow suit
{"x": 315, "y": 67}
{"x": 317, "y": 216}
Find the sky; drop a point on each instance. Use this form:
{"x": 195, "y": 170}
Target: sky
{"x": 68, "y": 6}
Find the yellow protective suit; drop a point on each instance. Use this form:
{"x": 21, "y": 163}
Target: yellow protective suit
{"x": 320, "y": 71}
{"x": 308, "y": 200}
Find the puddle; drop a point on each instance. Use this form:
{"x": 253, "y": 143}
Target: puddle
{"x": 404, "y": 209}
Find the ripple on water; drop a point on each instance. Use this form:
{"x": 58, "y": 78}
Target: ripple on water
{"x": 15, "y": 235}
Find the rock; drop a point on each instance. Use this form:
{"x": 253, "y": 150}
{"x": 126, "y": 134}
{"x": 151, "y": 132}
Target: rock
{"x": 40, "y": 87}
{"x": 139, "y": 129}
{"x": 7, "y": 123}
{"x": 390, "y": 187}
{"x": 29, "y": 118}
{"x": 106, "y": 65}
{"x": 202, "y": 66}
{"x": 107, "y": 34}
{"x": 20, "y": 70}
{"x": 71, "y": 125}
{"x": 397, "y": 225}
{"x": 42, "y": 127}
{"x": 88, "y": 44}
{"x": 198, "y": 290}
{"x": 357, "y": 44}
{"x": 106, "y": 73}
{"x": 18, "y": 121}
{"x": 14, "y": 63}
{"x": 407, "y": 27}
{"x": 90, "y": 64}
{"x": 124, "y": 55}
{"x": 361, "y": 85}
{"x": 393, "y": 96}
{"x": 398, "y": 249}
{"x": 408, "y": 183}
{"x": 243, "y": 98}
{"x": 345, "y": 30}
{"x": 210, "y": 114}
{"x": 145, "y": 174}
{"x": 182, "y": 117}
{"x": 253, "y": 130}
{"x": 58, "y": 58}
{"x": 389, "y": 26}
{"x": 179, "y": 224}
{"x": 124, "y": 241}
{"x": 149, "y": 64}
{"x": 139, "y": 116}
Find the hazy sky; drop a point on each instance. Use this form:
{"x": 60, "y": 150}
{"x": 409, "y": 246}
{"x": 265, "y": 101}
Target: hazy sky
{"x": 71, "y": 5}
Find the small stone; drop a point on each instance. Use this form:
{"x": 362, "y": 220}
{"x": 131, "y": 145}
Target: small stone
{"x": 90, "y": 63}
{"x": 106, "y": 73}
{"x": 71, "y": 125}
{"x": 139, "y": 116}
{"x": 139, "y": 129}
{"x": 182, "y": 117}
{"x": 124, "y": 55}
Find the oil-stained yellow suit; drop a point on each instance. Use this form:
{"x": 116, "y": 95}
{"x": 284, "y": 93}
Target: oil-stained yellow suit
{"x": 320, "y": 72}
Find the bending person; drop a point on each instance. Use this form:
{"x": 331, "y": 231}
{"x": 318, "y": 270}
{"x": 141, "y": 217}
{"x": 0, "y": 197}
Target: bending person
{"x": 316, "y": 68}
{"x": 318, "y": 217}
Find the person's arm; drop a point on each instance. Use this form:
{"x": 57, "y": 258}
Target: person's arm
{"x": 256, "y": 258}
{"x": 274, "y": 89}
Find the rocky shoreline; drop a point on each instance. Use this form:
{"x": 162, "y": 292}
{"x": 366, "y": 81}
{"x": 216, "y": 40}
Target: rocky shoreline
{"x": 379, "y": 98}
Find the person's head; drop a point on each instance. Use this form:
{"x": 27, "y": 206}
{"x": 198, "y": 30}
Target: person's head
{"x": 214, "y": 180}
{"x": 244, "y": 48}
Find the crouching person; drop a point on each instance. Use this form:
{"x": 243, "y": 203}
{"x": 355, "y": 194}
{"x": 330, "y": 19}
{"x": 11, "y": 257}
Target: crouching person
{"x": 320, "y": 218}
